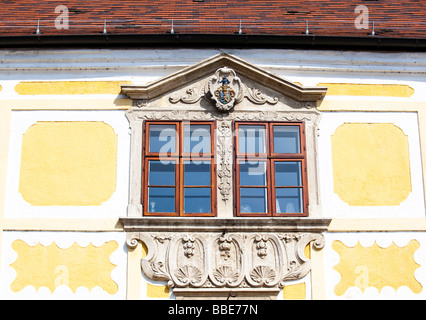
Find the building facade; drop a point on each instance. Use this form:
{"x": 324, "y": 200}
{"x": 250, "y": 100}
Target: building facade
{"x": 341, "y": 217}
{"x": 184, "y": 166}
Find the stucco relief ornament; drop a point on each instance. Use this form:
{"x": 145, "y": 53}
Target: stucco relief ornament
{"x": 225, "y": 88}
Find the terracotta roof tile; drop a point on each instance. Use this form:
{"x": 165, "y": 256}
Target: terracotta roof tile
{"x": 391, "y": 18}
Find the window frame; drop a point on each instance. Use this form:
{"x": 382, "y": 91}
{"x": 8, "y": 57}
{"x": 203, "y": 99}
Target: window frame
{"x": 179, "y": 156}
{"x": 271, "y": 158}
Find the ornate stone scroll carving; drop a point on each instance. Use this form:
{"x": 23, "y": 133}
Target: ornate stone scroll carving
{"x": 250, "y": 256}
{"x": 140, "y": 103}
{"x": 225, "y": 89}
{"x": 192, "y": 95}
{"x": 256, "y": 96}
{"x": 224, "y": 152}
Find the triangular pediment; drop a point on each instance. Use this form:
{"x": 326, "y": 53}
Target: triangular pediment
{"x": 209, "y": 67}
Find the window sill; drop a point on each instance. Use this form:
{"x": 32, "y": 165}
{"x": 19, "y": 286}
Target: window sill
{"x": 239, "y": 224}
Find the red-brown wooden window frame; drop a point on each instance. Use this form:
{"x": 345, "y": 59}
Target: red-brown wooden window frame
{"x": 179, "y": 156}
{"x": 270, "y": 157}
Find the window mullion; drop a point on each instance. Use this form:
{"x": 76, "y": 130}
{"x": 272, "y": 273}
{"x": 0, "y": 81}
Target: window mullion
{"x": 271, "y": 186}
{"x": 269, "y": 169}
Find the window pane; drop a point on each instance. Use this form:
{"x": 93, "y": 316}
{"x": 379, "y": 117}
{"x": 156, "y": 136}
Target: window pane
{"x": 252, "y": 173}
{"x": 289, "y": 200}
{"x": 197, "y": 200}
{"x": 161, "y": 173}
{"x": 162, "y": 138}
{"x": 286, "y": 139}
{"x": 288, "y": 173}
{"x": 196, "y": 173}
{"x": 253, "y": 200}
{"x": 251, "y": 139}
{"x": 161, "y": 199}
{"x": 197, "y": 139}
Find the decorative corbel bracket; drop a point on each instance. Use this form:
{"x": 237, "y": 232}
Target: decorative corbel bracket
{"x": 250, "y": 257}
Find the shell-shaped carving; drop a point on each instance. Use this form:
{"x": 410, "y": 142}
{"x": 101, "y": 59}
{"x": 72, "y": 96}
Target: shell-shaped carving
{"x": 188, "y": 274}
{"x": 262, "y": 275}
{"x": 226, "y": 274}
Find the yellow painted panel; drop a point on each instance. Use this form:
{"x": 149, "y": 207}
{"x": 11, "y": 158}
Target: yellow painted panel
{"x": 68, "y": 163}
{"x": 376, "y": 267}
{"x": 357, "y": 89}
{"x": 144, "y": 250}
{"x": 51, "y": 266}
{"x": 69, "y": 87}
{"x": 308, "y": 251}
{"x": 295, "y": 292}
{"x": 371, "y": 165}
{"x": 153, "y": 291}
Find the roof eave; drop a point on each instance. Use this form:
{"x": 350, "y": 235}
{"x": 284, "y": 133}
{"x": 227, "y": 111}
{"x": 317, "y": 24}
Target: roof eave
{"x": 309, "y": 41}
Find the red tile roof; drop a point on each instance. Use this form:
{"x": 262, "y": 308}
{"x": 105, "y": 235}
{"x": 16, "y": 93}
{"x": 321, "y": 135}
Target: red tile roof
{"x": 392, "y": 18}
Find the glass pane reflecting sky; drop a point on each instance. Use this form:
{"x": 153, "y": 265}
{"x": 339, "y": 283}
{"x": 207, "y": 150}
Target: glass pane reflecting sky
{"x": 252, "y": 139}
{"x": 197, "y": 200}
{"x": 286, "y": 139}
{"x": 288, "y": 173}
{"x": 161, "y": 173}
{"x": 252, "y": 173}
{"x": 253, "y": 200}
{"x": 161, "y": 199}
{"x": 289, "y": 200}
{"x": 197, "y": 173}
{"x": 197, "y": 138}
{"x": 162, "y": 138}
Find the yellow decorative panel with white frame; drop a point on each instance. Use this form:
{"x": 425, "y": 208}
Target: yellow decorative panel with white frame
{"x": 57, "y": 265}
{"x": 370, "y": 165}
{"x": 67, "y": 164}
{"x": 375, "y": 265}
